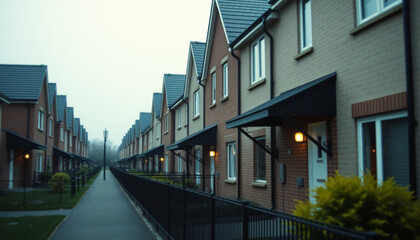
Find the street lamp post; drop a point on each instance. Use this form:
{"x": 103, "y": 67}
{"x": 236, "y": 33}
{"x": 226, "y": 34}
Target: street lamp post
{"x": 105, "y": 136}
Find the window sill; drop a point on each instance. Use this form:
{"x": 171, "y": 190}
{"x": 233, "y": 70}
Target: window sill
{"x": 224, "y": 99}
{"x": 304, "y": 53}
{"x": 179, "y": 127}
{"x": 259, "y": 184}
{"x": 230, "y": 181}
{"x": 40, "y": 130}
{"x": 375, "y": 19}
{"x": 262, "y": 81}
{"x": 195, "y": 118}
{"x": 213, "y": 105}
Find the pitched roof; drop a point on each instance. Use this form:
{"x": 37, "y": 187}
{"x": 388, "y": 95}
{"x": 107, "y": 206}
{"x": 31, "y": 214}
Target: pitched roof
{"x": 81, "y": 133}
{"x": 238, "y": 15}
{"x": 70, "y": 112}
{"x": 174, "y": 87}
{"x": 22, "y": 82}
{"x": 137, "y": 128}
{"x": 61, "y": 107}
{"x": 76, "y": 127}
{"x": 198, "y": 50}
{"x": 144, "y": 121}
{"x": 52, "y": 93}
{"x": 157, "y": 103}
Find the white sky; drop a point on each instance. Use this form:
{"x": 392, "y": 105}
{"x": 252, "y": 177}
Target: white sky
{"x": 107, "y": 56}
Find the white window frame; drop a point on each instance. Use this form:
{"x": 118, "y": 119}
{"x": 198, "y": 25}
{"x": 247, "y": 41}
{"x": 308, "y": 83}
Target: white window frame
{"x": 41, "y": 120}
{"x": 166, "y": 163}
{"x": 186, "y": 115}
{"x": 229, "y": 159}
{"x": 258, "y": 60}
{"x": 61, "y": 134}
{"x": 256, "y": 158}
{"x": 213, "y": 88}
{"x": 305, "y": 24}
{"x": 179, "y": 164}
{"x": 50, "y": 127}
{"x": 378, "y": 125}
{"x": 225, "y": 80}
{"x": 70, "y": 140}
{"x": 380, "y": 6}
{"x": 39, "y": 163}
{"x": 197, "y": 103}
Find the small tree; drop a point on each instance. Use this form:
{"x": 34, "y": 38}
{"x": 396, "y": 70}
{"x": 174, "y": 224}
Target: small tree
{"x": 58, "y": 182}
{"x": 365, "y": 205}
{"x": 82, "y": 170}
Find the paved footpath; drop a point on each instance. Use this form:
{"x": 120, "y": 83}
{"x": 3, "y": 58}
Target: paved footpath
{"x": 104, "y": 213}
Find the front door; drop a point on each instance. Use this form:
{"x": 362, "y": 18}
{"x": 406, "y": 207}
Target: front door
{"x": 317, "y": 159}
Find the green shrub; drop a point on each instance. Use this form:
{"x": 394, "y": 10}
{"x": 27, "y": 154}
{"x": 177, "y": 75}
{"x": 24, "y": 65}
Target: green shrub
{"x": 45, "y": 176}
{"x": 58, "y": 182}
{"x": 362, "y": 204}
{"x": 82, "y": 170}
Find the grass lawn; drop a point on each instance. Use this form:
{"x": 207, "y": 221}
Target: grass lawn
{"x": 28, "y": 227}
{"x": 42, "y": 199}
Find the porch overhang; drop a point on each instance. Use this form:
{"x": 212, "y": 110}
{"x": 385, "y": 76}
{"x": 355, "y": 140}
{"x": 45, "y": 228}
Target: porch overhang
{"x": 13, "y": 140}
{"x": 317, "y": 97}
{"x": 205, "y": 137}
{"x": 60, "y": 153}
{"x": 154, "y": 151}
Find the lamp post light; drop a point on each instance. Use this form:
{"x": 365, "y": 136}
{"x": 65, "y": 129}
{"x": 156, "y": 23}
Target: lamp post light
{"x": 105, "y": 137}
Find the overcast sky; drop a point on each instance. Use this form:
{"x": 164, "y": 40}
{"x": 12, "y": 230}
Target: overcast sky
{"x": 107, "y": 56}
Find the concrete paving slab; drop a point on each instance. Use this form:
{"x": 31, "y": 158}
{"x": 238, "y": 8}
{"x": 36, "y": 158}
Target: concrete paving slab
{"x": 103, "y": 213}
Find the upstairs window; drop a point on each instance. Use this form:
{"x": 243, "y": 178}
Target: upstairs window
{"x": 61, "y": 134}
{"x": 257, "y": 60}
{"x": 41, "y": 120}
{"x": 50, "y": 127}
{"x": 225, "y": 80}
{"x": 196, "y": 103}
{"x": 305, "y": 24}
{"x": 213, "y": 88}
{"x": 367, "y": 9}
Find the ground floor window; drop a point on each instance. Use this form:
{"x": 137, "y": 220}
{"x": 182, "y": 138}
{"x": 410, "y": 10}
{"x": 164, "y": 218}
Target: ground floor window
{"x": 166, "y": 163}
{"x": 383, "y": 146}
{"x": 179, "y": 164}
{"x": 259, "y": 161}
{"x": 39, "y": 163}
{"x": 231, "y": 157}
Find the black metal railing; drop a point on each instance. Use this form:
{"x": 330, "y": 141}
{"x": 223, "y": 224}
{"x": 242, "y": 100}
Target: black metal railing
{"x": 183, "y": 213}
{"x": 205, "y": 183}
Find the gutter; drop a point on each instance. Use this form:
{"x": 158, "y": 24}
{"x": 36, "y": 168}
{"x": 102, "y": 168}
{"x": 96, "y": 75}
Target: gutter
{"x": 272, "y": 128}
{"x": 410, "y": 96}
{"x": 238, "y": 150}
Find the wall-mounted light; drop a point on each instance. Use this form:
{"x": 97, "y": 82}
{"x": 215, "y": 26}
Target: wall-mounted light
{"x": 161, "y": 159}
{"x": 299, "y": 137}
{"x": 212, "y": 153}
{"x": 27, "y": 156}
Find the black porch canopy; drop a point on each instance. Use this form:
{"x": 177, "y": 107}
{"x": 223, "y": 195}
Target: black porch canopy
{"x": 317, "y": 97}
{"x": 205, "y": 137}
{"x": 61, "y": 153}
{"x": 13, "y": 140}
{"x": 154, "y": 151}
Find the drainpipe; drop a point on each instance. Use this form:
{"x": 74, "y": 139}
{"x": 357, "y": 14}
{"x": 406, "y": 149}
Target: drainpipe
{"x": 410, "y": 96}
{"x": 273, "y": 156}
{"x": 204, "y": 100}
{"x": 238, "y": 151}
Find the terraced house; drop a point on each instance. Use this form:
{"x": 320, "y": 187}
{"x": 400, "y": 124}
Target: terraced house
{"x": 30, "y": 125}
{"x": 286, "y": 92}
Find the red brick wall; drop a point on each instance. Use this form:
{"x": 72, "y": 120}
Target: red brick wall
{"x": 388, "y": 103}
{"x": 223, "y": 110}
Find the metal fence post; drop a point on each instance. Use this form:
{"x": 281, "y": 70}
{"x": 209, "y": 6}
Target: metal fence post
{"x": 245, "y": 220}
{"x": 213, "y": 217}
{"x": 78, "y": 183}
{"x": 83, "y": 179}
